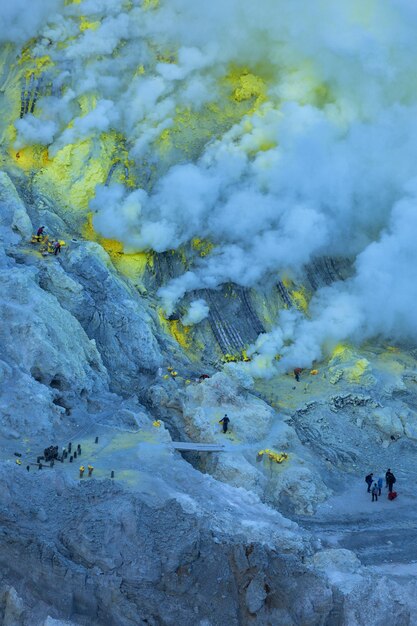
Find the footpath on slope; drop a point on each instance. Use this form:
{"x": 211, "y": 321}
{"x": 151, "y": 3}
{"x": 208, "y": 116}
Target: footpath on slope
{"x": 381, "y": 534}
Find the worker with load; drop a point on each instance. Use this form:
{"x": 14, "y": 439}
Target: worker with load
{"x": 297, "y": 372}
{"x": 390, "y": 480}
{"x": 39, "y": 236}
{"x": 46, "y": 246}
{"x": 225, "y": 421}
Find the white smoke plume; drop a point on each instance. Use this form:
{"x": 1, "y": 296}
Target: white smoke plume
{"x": 19, "y": 21}
{"x": 33, "y": 130}
{"x": 323, "y": 163}
{"x": 197, "y": 311}
{"x": 118, "y": 213}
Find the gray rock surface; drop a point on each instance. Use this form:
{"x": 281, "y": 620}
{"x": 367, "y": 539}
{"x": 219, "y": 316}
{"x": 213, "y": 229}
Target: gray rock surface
{"x": 14, "y": 220}
{"x": 110, "y": 312}
{"x": 114, "y": 561}
{"x": 45, "y": 353}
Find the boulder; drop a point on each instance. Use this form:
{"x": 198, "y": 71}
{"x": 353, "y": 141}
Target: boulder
{"x": 13, "y": 609}
{"x": 387, "y": 422}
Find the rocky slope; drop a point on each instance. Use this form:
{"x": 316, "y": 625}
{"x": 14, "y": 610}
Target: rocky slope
{"x": 193, "y": 540}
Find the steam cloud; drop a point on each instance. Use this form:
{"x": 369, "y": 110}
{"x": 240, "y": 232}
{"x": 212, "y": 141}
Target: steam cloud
{"x": 197, "y": 312}
{"x": 322, "y": 163}
{"x": 20, "y": 20}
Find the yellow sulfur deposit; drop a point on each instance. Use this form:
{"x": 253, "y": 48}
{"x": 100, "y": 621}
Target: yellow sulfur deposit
{"x": 165, "y": 140}
{"x": 341, "y": 352}
{"x": 74, "y": 172}
{"x": 299, "y": 297}
{"x": 190, "y": 129}
{"x": 277, "y": 457}
{"x": 34, "y": 65}
{"x": 31, "y": 157}
{"x": 230, "y": 358}
{"x": 235, "y": 358}
{"x": 85, "y": 24}
{"x": 176, "y": 329}
{"x": 148, "y": 5}
{"x": 202, "y": 246}
{"x": 344, "y": 363}
{"x": 247, "y": 86}
{"x": 180, "y": 332}
{"x": 355, "y": 373}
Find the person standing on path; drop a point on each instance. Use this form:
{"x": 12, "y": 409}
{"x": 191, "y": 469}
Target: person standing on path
{"x": 379, "y": 486}
{"x": 225, "y": 421}
{"x": 390, "y": 480}
{"x": 369, "y": 479}
{"x": 375, "y": 492}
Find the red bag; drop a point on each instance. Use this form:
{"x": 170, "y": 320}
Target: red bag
{"x": 392, "y": 495}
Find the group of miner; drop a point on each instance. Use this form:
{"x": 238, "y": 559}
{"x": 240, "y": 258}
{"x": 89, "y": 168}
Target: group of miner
{"x": 42, "y": 238}
{"x": 375, "y": 485}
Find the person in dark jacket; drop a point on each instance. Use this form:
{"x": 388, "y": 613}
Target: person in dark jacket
{"x": 390, "y": 480}
{"x": 297, "y": 372}
{"x": 369, "y": 480}
{"x": 39, "y": 232}
{"x": 225, "y": 421}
